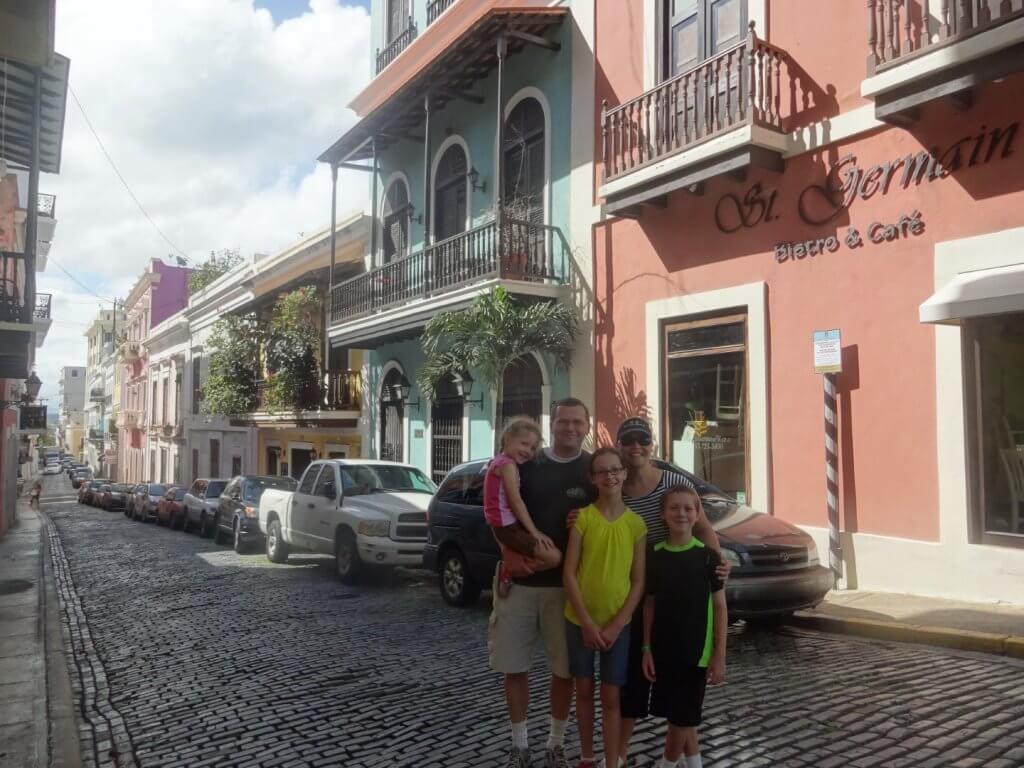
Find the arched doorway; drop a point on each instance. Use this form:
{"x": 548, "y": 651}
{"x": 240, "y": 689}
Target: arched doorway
{"x": 446, "y": 412}
{"x": 395, "y": 222}
{"x": 523, "y": 390}
{"x": 450, "y": 193}
{"x": 525, "y": 180}
{"x": 392, "y": 419}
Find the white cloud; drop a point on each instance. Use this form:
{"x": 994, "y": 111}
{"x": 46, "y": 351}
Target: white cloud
{"x": 215, "y": 116}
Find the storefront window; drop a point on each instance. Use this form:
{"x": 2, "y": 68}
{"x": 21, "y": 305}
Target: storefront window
{"x": 705, "y": 400}
{"x": 996, "y": 391}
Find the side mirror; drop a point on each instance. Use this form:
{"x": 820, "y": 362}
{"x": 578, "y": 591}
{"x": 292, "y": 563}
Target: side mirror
{"x": 330, "y": 491}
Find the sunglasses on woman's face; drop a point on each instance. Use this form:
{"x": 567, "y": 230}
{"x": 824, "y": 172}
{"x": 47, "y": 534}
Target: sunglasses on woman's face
{"x": 635, "y": 440}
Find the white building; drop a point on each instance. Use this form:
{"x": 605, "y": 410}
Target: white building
{"x": 99, "y": 387}
{"x": 167, "y": 355}
{"x": 71, "y": 404}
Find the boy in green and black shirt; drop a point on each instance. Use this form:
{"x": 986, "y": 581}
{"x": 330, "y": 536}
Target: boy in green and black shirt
{"x": 685, "y": 625}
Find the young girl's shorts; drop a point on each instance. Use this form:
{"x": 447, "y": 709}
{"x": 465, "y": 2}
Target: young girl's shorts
{"x": 614, "y": 661}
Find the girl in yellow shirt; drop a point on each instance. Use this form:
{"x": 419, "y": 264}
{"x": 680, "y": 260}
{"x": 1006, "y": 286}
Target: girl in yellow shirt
{"x": 604, "y": 582}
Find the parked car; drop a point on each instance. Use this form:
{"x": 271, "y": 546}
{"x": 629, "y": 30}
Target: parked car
{"x": 201, "y": 504}
{"x": 362, "y": 512}
{"x": 89, "y": 492}
{"x": 238, "y": 509}
{"x": 775, "y": 566}
{"x": 80, "y": 476}
{"x": 146, "y": 498}
{"x": 114, "y": 497}
{"x": 51, "y": 468}
{"x": 170, "y": 511}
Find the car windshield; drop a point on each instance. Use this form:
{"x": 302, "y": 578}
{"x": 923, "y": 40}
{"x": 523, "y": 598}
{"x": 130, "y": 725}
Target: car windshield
{"x": 379, "y": 478}
{"x": 215, "y": 489}
{"x": 254, "y": 487}
{"x": 121, "y": 489}
{"x": 157, "y": 490}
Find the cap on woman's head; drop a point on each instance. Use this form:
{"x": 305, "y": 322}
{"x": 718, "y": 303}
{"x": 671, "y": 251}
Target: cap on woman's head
{"x": 634, "y": 425}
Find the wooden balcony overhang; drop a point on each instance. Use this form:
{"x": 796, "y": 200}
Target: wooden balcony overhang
{"x": 17, "y": 81}
{"x": 911, "y": 63}
{"x": 720, "y": 117}
{"x": 393, "y": 104}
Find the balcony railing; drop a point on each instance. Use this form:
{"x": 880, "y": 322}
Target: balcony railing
{"x": 33, "y": 417}
{"x": 96, "y": 395}
{"x": 42, "y": 308}
{"x": 130, "y": 351}
{"x": 520, "y": 251}
{"x": 436, "y": 7}
{"x": 396, "y": 46}
{"x": 344, "y": 391}
{"x": 740, "y": 86}
{"x": 902, "y": 29}
{"x": 12, "y": 288}
{"x": 46, "y": 205}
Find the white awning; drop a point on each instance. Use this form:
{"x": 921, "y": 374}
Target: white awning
{"x": 985, "y": 292}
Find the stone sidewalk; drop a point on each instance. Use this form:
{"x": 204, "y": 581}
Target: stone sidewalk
{"x": 37, "y": 725}
{"x": 984, "y": 627}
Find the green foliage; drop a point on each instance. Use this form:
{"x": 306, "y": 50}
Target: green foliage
{"x": 492, "y": 334}
{"x": 212, "y": 268}
{"x": 235, "y": 343}
{"x": 293, "y": 351}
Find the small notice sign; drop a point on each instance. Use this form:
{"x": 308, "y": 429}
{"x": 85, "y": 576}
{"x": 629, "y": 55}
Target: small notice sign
{"x": 828, "y": 357}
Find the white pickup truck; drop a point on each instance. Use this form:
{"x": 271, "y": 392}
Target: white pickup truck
{"x": 362, "y": 512}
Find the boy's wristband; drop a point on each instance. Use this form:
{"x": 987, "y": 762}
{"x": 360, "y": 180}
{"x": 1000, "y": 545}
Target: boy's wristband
{"x": 646, "y": 648}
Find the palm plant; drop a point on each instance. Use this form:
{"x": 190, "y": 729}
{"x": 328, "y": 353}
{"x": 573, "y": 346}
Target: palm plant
{"x": 492, "y": 334}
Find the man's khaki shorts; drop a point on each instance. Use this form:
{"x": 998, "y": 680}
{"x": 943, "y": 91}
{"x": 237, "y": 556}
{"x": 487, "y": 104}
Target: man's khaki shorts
{"x": 522, "y": 621}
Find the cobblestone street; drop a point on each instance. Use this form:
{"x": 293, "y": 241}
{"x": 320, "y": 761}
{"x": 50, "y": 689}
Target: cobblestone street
{"x": 189, "y": 655}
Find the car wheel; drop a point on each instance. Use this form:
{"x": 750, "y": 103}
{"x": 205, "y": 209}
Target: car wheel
{"x": 204, "y": 530}
{"x": 238, "y": 544}
{"x": 186, "y": 523}
{"x": 277, "y": 547}
{"x": 218, "y": 532}
{"x": 346, "y": 558}
{"x": 458, "y": 587}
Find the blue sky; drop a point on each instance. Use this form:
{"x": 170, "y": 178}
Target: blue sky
{"x": 287, "y": 9}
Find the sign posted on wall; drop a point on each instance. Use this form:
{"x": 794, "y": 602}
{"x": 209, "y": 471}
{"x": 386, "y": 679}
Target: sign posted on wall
{"x": 828, "y": 357}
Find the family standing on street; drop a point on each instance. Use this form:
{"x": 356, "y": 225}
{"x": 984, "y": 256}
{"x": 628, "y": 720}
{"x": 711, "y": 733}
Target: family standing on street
{"x": 640, "y": 588}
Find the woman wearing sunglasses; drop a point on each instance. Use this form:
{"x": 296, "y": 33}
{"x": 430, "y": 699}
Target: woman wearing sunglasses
{"x": 645, "y": 484}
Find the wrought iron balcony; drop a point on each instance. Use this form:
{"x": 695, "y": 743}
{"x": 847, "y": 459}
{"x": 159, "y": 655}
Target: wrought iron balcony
{"x": 402, "y": 41}
{"x": 42, "y": 308}
{"x": 436, "y": 7}
{"x": 741, "y": 86}
{"x": 522, "y": 251}
{"x": 899, "y": 30}
{"x": 344, "y": 391}
{"x": 33, "y": 418}
{"x": 12, "y": 288}
{"x": 46, "y": 205}
{"x": 96, "y": 394}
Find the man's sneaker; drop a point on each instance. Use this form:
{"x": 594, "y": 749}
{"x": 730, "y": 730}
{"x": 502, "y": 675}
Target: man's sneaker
{"x": 556, "y": 758}
{"x": 519, "y": 758}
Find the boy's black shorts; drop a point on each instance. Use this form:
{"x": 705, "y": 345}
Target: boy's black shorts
{"x": 681, "y": 699}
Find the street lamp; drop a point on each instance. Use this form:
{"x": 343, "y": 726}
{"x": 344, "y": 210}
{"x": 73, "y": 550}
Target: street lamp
{"x": 32, "y": 385}
{"x": 400, "y": 391}
{"x": 464, "y": 386}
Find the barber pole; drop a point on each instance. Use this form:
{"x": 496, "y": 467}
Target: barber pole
{"x": 835, "y": 552}
{"x": 828, "y": 361}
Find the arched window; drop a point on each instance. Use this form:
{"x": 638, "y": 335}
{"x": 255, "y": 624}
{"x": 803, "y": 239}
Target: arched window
{"x": 392, "y": 419}
{"x": 395, "y": 221}
{"x": 524, "y": 162}
{"x": 450, "y": 193}
{"x": 523, "y": 393}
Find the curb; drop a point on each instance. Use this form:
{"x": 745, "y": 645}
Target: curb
{"x": 960, "y": 639}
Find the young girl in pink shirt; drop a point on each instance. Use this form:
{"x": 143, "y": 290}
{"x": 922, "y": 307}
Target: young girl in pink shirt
{"x": 524, "y": 549}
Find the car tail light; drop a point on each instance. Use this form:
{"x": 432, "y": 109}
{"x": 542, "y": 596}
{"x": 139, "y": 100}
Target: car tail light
{"x": 250, "y": 511}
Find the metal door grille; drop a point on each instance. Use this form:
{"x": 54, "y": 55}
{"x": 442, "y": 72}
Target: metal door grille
{"x": 446, "y": 436}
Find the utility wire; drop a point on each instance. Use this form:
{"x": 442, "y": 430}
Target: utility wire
{"x": 128, "y": 189}
{"x": 80, "y": 284}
